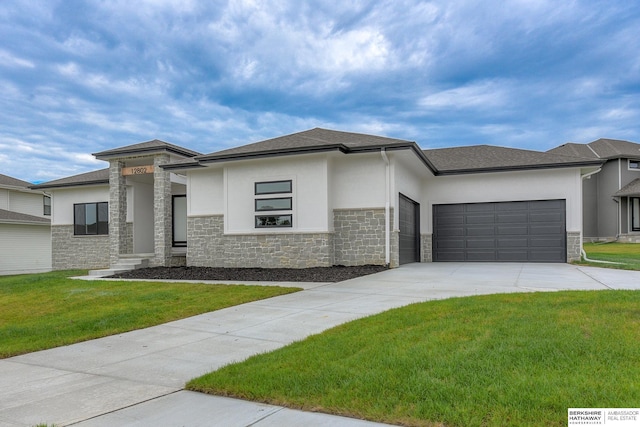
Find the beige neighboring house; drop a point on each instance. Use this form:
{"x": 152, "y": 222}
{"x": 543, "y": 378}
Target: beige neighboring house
{"x": 25, "y": 228}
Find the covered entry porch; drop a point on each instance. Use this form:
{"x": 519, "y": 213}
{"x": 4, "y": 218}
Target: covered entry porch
{"x": 147, "y": 206}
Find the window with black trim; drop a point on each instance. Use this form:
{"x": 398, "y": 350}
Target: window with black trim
{"x": 274, "y": 204}
{"x": 90, "y": 219}
{"x": 273, "y": 187}
{"x": 279, "y": 204}
{"x": 46, "y": 202}
{"x": 635, "y": 213}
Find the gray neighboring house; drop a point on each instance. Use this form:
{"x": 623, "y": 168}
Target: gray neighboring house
{"x": 25, "y": 230}
{"x": 611, "y": 197}
{"x": 319, "y": 198}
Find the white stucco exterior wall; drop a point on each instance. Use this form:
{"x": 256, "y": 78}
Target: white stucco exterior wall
{"x": 357, "y": 181}
{"x": 409, "y": 176}
{"x": 64, "y": 198}
{"x": 308, "y": 174}
{"x": 205, "y": 191}
{"x": 544, "y": 184}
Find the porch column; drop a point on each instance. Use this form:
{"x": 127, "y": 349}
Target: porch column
{"x": 117, "y": 211}
{"x": 162, "y": 211}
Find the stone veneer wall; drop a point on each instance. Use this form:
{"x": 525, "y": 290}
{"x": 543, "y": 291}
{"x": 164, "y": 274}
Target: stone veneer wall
{"x": 360, "y": 237}
{"x": 573, "y": 246}
{"x": 83, "y": 252}
{"x": 426, "y": 250}
{"x": 209, "y": 247}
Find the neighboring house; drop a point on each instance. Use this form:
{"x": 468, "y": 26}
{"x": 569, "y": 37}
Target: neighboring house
{"x": 611, "y": 198}
{"x": 319, "y": 198}
{"x": 25, "y": 232}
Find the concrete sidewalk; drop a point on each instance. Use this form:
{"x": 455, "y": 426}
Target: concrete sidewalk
{"x": 137, "y": 378}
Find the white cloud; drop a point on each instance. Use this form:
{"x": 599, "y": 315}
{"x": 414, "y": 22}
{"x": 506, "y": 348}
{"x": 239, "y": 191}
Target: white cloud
{"x": 7, "y": 59}
{"x": 486, "y": 94}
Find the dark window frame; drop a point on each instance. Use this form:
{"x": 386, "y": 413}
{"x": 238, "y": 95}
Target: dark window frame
{"x": 46, "y": 207}
{"x": 289, "y": 225}
{"x": 259, "y": 193}
{"x": 101, "y": 226}
{"x": 634, "y": 213}
{"x": 176, "y": 243}
{"x": 290, "y": 199}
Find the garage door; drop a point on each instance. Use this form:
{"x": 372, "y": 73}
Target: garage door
{"x": 409, "y": 230}
{"x": 529, "y": 231}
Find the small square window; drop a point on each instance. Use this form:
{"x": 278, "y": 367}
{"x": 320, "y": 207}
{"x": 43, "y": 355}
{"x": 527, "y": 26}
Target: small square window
{"x": 91, "y": 218}
{"x": 634, "y": 164}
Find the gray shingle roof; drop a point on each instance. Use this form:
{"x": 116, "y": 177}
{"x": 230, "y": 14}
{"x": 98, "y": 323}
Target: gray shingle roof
{"x": 631, "y": 189}
{"x": 316, "y": 139}
{"x": 7, "y": 181}
{"x": 602, "y": 148}
{"x": 485, "y": 158}
{"x": 20, "y": 218}
{"x": 147, "y": 147}
{"x": 576, "y": 150}
{"x": 89, "y": 178}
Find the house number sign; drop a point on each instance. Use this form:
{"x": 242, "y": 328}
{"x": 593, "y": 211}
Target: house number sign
{"x": 137, "y": 170}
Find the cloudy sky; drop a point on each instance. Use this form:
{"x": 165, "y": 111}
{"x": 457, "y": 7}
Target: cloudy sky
{"x": 77, "y": 77}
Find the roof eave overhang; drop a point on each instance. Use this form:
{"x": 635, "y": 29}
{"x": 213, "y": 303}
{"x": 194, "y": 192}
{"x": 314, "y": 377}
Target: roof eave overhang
{"x": 181, "y": 166}
{"x": 108, "y": 155}
{"x": 309, "y": 150}
{"x": 270, "y": 153}
{"x": 519, "y": 168}
{"x": 70, "y": 184}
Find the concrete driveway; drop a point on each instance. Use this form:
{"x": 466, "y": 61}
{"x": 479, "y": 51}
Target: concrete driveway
{"x": 136, "y": 378}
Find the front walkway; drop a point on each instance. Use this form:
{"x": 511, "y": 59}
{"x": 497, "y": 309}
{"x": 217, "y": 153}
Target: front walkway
{"x": 136, "y": 378}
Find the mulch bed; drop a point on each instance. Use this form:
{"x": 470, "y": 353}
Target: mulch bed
{"x": 316, "y": 274}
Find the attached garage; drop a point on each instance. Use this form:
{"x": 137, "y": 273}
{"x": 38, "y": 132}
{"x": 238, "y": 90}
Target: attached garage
{"x": 523, "y": 231}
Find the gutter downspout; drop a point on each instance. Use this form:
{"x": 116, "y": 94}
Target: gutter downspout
{"x": 582, "y": 251}
{"x": 387, "y": 194}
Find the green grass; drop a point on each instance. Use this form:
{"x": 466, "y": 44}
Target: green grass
{"x": 41, "y": 311}
{"x": 627, "y": 254}
{"x": 498, "y": 360}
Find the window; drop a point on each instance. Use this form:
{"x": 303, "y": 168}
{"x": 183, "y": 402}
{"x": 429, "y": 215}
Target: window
{"x": 47, "y": 205}
{"x": 279, "y": 208}
{"x": 273, "y": 221}
{"x": 90, "y": 219}
{"x": 180, "y": 221}
{"x": 635, "y": 214}
{"x": 634, "y": 165}
{"x": 273, "y": 187}
{"x": 279, "y": 204}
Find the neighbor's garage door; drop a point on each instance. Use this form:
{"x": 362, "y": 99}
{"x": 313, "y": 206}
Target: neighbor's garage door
{"x": 530, "y": 231}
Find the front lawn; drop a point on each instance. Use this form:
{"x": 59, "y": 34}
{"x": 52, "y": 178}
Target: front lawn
{"x": 40, "y": 311}
{"x": 497, "y": 360}
{"x": 626, "y": 254}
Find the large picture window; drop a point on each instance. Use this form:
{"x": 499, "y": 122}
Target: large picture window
{"x": 90, "y": 219}
{"x": 279, "y": 204}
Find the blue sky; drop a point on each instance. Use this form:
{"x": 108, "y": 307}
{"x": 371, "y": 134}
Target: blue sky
{"x": 78, "y": 77}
